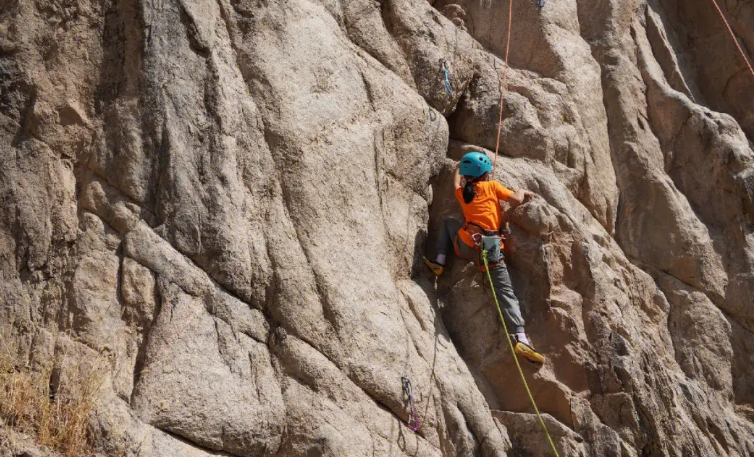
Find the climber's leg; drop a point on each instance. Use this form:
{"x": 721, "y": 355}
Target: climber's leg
{"x": 509, "y": 305}
{"x": 448, "y": 232}
{"x": 444, "y": 246}
{"x": 511, "y": 309}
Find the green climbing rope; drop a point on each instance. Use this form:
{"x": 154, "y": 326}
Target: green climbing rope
{"x": 513, "y": 353}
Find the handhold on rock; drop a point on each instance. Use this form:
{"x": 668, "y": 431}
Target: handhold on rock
{"x": 71, "y": 113}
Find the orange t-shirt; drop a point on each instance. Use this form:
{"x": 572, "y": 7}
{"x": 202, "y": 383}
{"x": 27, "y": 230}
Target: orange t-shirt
{"x": 484, "y": 210}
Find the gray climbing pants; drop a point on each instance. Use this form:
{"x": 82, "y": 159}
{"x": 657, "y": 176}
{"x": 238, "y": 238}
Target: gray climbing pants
{"x": 501, "y": 280}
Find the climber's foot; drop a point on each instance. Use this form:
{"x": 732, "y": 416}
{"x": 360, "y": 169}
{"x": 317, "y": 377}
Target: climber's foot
{"x": 437, "y": 268}
{"x": 529, "y": 353}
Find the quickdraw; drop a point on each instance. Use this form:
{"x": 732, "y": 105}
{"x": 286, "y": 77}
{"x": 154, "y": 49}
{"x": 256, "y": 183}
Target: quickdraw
{"x": 446, "y": 73}
{"x": 413, "y": 419}
{"x": 540, "y": 4}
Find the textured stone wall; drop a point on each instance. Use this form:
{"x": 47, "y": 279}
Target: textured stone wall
{"x": 229, "y": 201}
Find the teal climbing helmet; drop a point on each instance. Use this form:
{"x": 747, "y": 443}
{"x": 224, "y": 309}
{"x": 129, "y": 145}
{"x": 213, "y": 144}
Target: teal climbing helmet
{"x": 475, "y": 164}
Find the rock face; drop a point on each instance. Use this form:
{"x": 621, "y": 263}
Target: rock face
{"x": 230, "y": 200}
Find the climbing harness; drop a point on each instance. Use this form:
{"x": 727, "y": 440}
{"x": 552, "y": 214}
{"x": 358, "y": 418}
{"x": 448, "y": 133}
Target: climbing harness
{"x": 446, "y": 73}
{"x": 502, "y": 85}
{"x": 733, "y": 37}
{"x": 413, "y": 420}
{"x": 476, "y": 229}
{"x": 540, "y": 4}
{"x": 480, "y": 237}
{"x": 488, "y": 240}
{"x": 515, "y": 359}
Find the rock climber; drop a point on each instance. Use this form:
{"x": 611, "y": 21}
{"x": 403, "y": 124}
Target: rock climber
{"x": 480, "y": 202}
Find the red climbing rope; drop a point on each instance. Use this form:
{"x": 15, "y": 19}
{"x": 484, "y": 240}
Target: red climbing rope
{"x": 733, "y": 37}
{"x": 503, "y": 86}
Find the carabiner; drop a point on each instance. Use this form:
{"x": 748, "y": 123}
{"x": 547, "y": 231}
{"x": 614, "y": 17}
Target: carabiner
{"x": 406, "y": 386}
{"x": 477, "y": 239}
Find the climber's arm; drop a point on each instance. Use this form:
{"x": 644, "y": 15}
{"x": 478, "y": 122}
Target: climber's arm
{"x": 514, "y": 198}
{"x": 522, "y": 196}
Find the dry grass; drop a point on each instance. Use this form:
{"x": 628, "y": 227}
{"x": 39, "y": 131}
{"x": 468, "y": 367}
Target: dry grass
{"x": 58, "y": 421}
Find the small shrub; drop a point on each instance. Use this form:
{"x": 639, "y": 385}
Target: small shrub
{"x": 58, "y": 420}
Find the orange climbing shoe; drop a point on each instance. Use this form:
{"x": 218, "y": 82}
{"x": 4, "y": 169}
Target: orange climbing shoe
{"x": 528, "y": 352}
{"x": 437, "y": 268}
